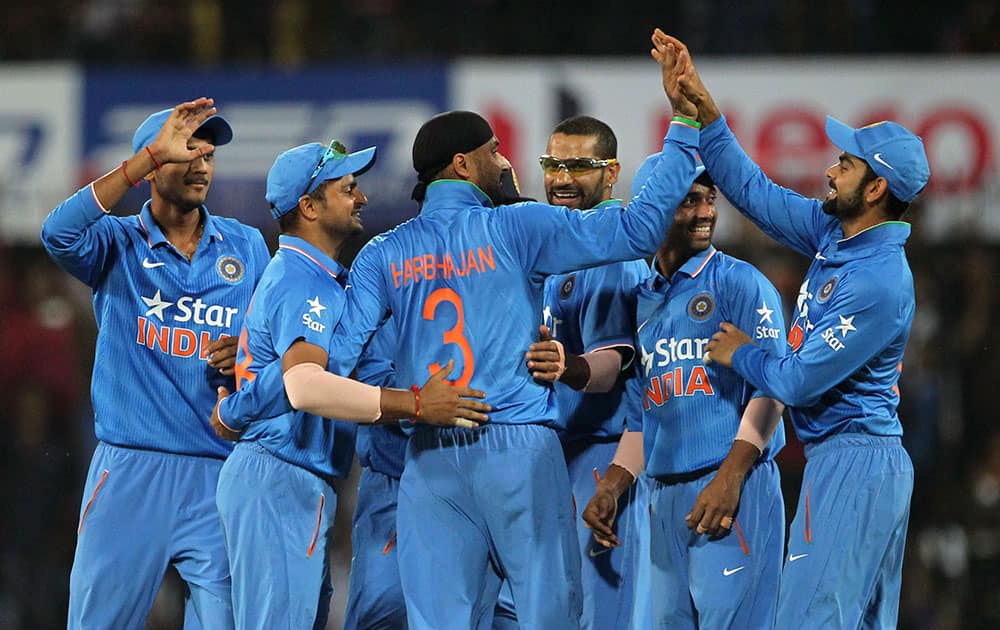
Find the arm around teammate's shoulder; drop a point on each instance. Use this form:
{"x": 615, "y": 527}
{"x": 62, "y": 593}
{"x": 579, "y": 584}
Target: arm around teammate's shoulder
{"x": 860, "y": 321}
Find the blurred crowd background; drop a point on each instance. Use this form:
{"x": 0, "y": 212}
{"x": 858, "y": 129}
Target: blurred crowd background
{"x": 949, "y": 408}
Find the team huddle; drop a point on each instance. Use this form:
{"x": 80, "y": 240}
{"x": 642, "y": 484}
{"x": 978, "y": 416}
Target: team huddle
{"x": 553, "y": 432}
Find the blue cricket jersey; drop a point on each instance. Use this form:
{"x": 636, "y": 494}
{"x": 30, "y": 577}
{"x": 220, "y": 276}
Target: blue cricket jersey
{"x": 465, "y": 279}
{"x": 691, "y": 411}
{"x": 381, "y": 447}
{"x": 156, "y": 312}
{"x": 299, "y": 297}
{"x": 854, "y": 310}
{"x": 589, "y": 310}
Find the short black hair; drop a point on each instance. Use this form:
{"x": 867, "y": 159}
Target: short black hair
{"x": 290, "y": 220}
{"x": 607, "y": 143}
{"x": 894, "y": 206}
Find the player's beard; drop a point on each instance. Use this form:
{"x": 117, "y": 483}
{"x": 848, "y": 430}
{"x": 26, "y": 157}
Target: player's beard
{"x": 845, "y": 206}
{"x": 588, "y": 198}
{"x": 498, "y": 190}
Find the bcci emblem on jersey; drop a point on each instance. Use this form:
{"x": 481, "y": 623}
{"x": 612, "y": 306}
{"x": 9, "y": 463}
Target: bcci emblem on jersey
{"x": 567, "y": 287}
{"x": 826, "y": 290}
{"x": 701, "y": 307}
{"x": 230, "y": 268}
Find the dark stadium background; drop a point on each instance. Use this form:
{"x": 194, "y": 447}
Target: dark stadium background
{"x": 119, "y": 52}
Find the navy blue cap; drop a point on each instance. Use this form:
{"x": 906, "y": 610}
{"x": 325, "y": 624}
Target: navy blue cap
{"x": 221, "y": 132}
{"x": 891, "y": 150}
{"x": 289, "y": 176}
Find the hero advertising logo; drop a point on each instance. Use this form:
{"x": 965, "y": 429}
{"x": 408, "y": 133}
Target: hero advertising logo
{"x": 688, "y": 379}
{"x": 180, "y": 341}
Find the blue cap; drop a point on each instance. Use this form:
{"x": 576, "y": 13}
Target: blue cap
{"x": 221, "y": 132}
{"x": 646, "y": 168}
{"x": 891, "y": 150}
{"x": 292, "y": 171}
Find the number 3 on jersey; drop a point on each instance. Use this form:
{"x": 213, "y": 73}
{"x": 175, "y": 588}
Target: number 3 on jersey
{"x": 455, "y": 335}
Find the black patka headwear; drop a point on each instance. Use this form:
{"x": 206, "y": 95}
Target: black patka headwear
{"x": 440, "y": 138}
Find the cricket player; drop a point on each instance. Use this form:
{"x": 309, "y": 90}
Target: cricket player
{"x": 590, "y": 314}
{"x": 854, "y": 313}
{"x": 275, "y": 492}
{"x": 168, "y": 283}
{"x": 465, "y": 281}
{"x": 709, "y": 438}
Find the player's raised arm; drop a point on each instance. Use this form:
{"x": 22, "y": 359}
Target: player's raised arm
{"x": 783, "y": 214}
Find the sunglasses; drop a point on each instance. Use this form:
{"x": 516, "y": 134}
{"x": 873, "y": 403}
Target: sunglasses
{"x": 573, "y": 166}
{"x": 335, "y": 151}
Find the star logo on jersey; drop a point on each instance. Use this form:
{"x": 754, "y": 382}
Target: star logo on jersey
{"x": 156, "y": 305}
{"x": 647, "y": 360}
{"x": 765, "y": 313}
{"x": 315, "y": 307}
{"x": 846, "y": 325}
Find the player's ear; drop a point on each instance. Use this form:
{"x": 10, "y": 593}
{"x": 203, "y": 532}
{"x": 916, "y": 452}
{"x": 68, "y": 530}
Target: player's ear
{"x": 462, "y": 165}
{"x": 877, "y": 190}
{"x": 613, "y": 171}
{"x": 308, "y": 207}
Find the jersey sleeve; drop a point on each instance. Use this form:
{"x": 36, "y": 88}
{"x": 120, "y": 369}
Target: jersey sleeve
{"x": 607, "y": 309}
{"x": 310, "y": 313}
{"x": 551, "y": 240}
{"x": 633, "y": 399}
{"x": 80, "y": 237}
{"x": 856, "y": 325}
{"x": 754, "y": 306}
{"x": 259, "y": 252}
{"x": 376, "y": 366}
{"x": 263, "y": 397}
{"x": 786, "y": 216}
{"x": 367, "y": 307}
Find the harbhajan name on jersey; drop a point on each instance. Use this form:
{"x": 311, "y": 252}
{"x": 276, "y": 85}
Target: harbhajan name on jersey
{"x": 445, "y": 266}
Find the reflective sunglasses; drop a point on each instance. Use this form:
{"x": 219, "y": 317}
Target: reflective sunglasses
{"x": 335, "y": 151}
{"x": 574, "y": 165}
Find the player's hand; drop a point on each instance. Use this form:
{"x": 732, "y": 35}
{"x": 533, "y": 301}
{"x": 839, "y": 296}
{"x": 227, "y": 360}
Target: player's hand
{"x": 171, "y": 144}
{"x": 723, "y": 344}
{"x": 689, "y": 82}
{"x": 547, "y": 358}
{"x": 715, "y": 507}
{"x": 668, "y": 55}
{"x": 599, "y": 516}
{"x": 445, "y": 404}
{"x": 222, "y": 430}
{"x": 222, "y": 354}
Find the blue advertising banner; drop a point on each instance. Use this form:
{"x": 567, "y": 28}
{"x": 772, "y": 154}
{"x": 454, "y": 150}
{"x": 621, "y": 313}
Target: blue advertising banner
{"x": 271, "y": 111}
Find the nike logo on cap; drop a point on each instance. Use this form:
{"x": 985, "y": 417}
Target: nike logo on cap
{"x": 878, "y": 158}
{"x": 151, "y": 265}
{"x": 793, "y": 557}
{"x": 728, "y": 572}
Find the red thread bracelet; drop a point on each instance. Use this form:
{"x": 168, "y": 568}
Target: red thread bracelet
{"x": 416, "y": 399}
{"x": 125, "y": 173}
{"x": 153, "y": 157}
